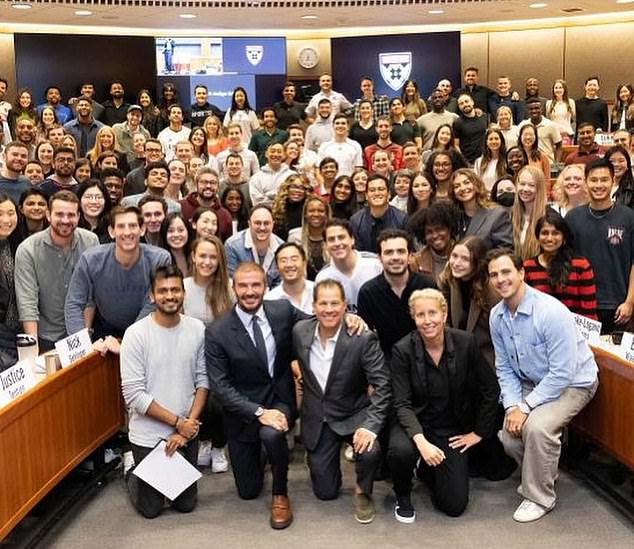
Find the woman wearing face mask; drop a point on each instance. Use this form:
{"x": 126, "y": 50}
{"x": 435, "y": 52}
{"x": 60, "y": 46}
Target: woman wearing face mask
{"x": 9, "y": 318}
{"x": 477, "y": 216}
{"x": 503, "y": 192}
{"x": 570, "y": 189}
{"x": 557, "y": 271}
{"x": 529, "y": 206}
{"x": 208, "y": 297}
{"x": 623, "y": 189}
{"x": 492, "y": 164}
{"x": 516, "y": 159}
{"x": 289, "y": 204}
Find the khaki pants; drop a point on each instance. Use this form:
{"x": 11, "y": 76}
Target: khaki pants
{"x": 538, "y": 451}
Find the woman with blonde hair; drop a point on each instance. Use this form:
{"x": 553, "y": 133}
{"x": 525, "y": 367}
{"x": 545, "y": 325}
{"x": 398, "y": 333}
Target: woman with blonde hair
{"x": 529, "y": 206}
{"x": 288, "y": 205}
{"x": 478, "y": 217}
{"x": 569, "y": 191}
{"x": 105, "y": 141}
{"x": 504, "y": 120}
{"x": 216, "y": 140}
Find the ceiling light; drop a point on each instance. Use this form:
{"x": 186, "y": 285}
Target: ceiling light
{"x": 187, "y": 16}
{"x": 309, "y": 17}
{"x": 83, "y": 13}
{"x": 624, "y": 1}
{"x": 538, "y": 5}
{"x": 436, "y": 12}
{"x": 21, "y": 6}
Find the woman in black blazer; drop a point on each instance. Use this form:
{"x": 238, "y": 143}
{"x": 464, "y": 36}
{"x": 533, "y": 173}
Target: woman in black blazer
{"x": 445, "y": 399}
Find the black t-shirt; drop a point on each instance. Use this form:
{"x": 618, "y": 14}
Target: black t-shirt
{"x": 606, "y": 239}
{"x": 362, "y": 136}
{"x": 594, "y": 111}
{"x": 470, "y": 132}
{"x": 402, "y": 133}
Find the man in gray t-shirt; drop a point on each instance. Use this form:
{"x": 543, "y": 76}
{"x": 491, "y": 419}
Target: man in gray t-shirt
{"x": 115, "y": 278}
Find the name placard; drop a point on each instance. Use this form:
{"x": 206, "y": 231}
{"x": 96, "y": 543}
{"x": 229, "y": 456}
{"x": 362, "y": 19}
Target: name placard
{"x": 589, "y": 329}
{"x": 74, "y": 347}
{"x": 16, "y": 380}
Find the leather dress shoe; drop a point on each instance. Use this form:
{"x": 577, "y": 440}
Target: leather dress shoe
{"x": 281, "y": 514}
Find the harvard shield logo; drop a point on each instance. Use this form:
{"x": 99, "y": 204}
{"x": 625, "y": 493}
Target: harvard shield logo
{"x": 254, "y": 54}
{"x": 395, "y": 68}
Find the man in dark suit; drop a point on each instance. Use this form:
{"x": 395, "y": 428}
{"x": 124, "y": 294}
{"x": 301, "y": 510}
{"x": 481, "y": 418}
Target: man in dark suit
{"x": 248, "y": 353}
{"x": 337, "y": 371}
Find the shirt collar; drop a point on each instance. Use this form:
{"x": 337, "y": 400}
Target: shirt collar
{"x": 247, "y": 318}
{"x": 334, "y": 338}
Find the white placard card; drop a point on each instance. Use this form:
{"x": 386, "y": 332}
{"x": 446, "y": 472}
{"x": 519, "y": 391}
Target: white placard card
{"x": 16, "y": 380}
{"x": 74, "y": 347}
{"x": 588, "y": 328}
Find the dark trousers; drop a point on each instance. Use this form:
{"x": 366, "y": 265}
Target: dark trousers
{"x": 212, "y": 427}
{"x": 325, "y": 464}
{"x": 149, "y": 501}
{"x": 449, "y": 481}
{"x": 248, "y": 465}
{"x": 606, "y": 317}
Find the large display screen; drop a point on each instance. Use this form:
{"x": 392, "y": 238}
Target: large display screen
{"x": 221, "y": 64}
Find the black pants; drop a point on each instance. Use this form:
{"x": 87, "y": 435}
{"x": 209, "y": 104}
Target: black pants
{"x": 325, "y": 464}
{"x": 248, "y": 465}
{"x": 212, "y": 427}
{"x": 149, "y": 501}
{"x": 449, "y": 481}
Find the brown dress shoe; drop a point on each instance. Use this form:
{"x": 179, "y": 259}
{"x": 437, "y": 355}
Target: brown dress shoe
{"x": 281, "y": 514}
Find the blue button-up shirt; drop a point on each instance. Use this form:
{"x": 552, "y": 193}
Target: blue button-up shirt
{"x": 539, "y": 344}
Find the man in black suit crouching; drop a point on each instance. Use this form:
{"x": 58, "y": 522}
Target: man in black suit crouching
{"x": 346, "y": 397}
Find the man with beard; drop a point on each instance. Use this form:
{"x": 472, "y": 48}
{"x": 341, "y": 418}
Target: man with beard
{"x": 53, "y": 97}
{"x": 469, "y": 128}
{"x": 383, "y": 300}
{"x": 429, "y": 122}
{"x": 115, "y": 109}
{"x": 384, "y": 143}
{"x": 267, "y": 134}
{"x": 588, "y": 150}
{"x": 84, "y": 127}
{"x": 15, "y": 157}
{"x": 480, "y": 94}
{"x": 114, "y": 279}
{"x": 206, "y": 195}
{"x": 165, "y": 386}
{"x": 232, "y": 177}
{"x": 256, "y": 243}
{"x": 174, "y": 133}
{"x": 549, "y": 138}
{"x": 321, "y": 130}
{"x": 156, "y": 178}
{"x": 250, "y": 163}
{"x": 25, "y": 133}
{"x": 63, "y": 169}
{"x": 44, "y": 264}
{"x": 87, "y": 89}
{"x": 288, "y": 111}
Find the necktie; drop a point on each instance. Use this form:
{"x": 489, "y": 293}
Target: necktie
{"x": 260, "y": 346}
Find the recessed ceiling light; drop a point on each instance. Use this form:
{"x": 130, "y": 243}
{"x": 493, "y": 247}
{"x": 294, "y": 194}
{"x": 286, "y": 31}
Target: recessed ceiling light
{"x": 83, "y": 13}
{"x": 436, "y": 12}
{"x": 309, "y": 17}
{"x": 187, "y": 16}
{"x": 21, "y": 6}
{"x": 538, "y": 5}
{"x": 624, "y": 1}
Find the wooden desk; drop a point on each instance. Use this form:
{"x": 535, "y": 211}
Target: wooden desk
{"x": 609, "y": 418}
{"x": 53, "y": 427}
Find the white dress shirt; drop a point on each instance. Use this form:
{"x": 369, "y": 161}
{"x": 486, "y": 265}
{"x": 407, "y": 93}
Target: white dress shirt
{"x": 320, "y": 357}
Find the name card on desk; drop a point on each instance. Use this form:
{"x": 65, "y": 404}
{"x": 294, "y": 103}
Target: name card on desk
{"x": 74, "y": 347}
{"x": 588, "y": 328}
{"x": 16, "y": 380}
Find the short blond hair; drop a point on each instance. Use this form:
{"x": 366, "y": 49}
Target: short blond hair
{"x": 427, "y": 293}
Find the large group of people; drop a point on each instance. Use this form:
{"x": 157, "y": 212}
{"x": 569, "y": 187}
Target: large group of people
{"x": 398, "y": 276}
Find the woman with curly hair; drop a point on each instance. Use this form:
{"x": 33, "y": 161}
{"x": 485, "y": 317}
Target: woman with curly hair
{"x": 440, "y": 167}
{"x": 529, "y": 206}
{"x": 310, "y": 236}
{"x": 478, "y": 217}
{"x": 570, "y": 189}
{"x": 289, "y": 204}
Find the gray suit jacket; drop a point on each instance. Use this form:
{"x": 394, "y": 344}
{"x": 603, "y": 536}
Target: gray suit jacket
{"x": 493, "y": 226}
{"x": 345, "y": 404}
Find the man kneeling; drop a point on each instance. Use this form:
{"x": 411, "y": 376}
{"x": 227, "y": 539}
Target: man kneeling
{"x": 338, "y": 371}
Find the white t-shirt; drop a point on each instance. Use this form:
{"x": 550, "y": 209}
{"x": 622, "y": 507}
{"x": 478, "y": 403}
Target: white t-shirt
{"x": 194, "y": 304}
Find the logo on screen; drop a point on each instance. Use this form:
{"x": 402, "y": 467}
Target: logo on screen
{"x": 254, "y": 54}
{"x": 395, "y": 68}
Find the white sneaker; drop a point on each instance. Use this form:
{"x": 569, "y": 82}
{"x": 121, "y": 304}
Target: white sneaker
{"x": 219, "y": 463}
{"x": 128, "y": 462}
{"x": 529, "y": 511}
{"x": 204, "y": 453}
{"x": 348, "y": 453}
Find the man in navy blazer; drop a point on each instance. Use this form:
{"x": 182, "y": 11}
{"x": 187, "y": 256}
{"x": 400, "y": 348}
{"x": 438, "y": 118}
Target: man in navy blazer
{"x": 346, "y": 397}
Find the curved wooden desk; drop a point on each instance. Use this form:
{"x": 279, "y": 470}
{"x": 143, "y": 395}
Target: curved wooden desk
{"x": 609, "y": 418}
{"x": 53, "y": 427}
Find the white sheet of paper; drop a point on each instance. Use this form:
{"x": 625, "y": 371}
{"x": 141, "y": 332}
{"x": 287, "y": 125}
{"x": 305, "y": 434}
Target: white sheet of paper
{"x": 169, "y": 475}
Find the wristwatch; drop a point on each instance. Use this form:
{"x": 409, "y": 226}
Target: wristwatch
{"x": 524, "y": 408}
{"x": 259, "y": 411}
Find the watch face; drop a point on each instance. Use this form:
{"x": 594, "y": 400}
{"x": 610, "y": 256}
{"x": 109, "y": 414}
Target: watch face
{"x": 308, "y": 58}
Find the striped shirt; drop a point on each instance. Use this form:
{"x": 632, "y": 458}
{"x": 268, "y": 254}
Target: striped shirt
{"x": 579, "y": 292}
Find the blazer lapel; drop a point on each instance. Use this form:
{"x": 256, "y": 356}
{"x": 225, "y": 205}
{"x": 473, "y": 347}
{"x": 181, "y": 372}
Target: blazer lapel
{"x": 244, "y": 340}
{"x": 477, "y": 221}
{"x": 473, "y": 316}
{"x": 306, "y": 340}
{"x": 341, "y": 350}
{"x": 455, "y": 304}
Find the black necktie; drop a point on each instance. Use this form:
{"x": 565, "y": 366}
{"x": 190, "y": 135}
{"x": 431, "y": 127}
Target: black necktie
{"x": 260, "y": 345}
